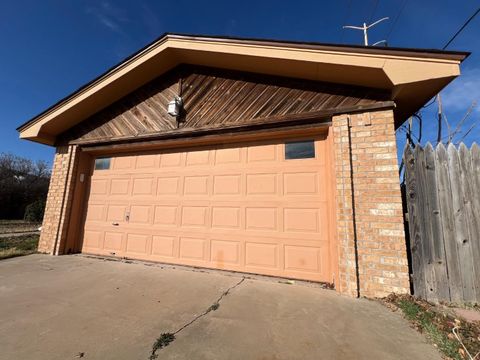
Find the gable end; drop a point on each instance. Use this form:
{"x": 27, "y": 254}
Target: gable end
{"x": 214, "y": 98}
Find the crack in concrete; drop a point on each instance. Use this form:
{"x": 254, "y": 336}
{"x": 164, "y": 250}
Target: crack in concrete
{"x": 213, "y": 307}
{"x": 166, "y": 338}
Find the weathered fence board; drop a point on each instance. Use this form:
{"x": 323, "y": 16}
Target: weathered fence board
{"x": 457, "y": 178}
{"x": 471, "y": 215}
{"x": 448, "y": 224}
{"x": 474, "y": 177}
{"x": 443, "y": 201}
{"x": 434, "y": 222}
{"x": 425, "y": 237}
{"x": 418, "y": 276}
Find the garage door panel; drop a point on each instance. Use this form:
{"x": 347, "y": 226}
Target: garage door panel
{"x": 227, "y": 184}
{"x": 302, "y": 258}
{"x": 165, "y": 215}
{"x": 150, "y": 161}
{"x": 226, "y": 217}
{"x": 142, "y": 186}
{"x": 163, "y": 246}
{"x": 224, "y": 252}
{"x": 116, "y": 213}
{"x": 123, "y": 162}
{"x": 301, "y": 219}
{"x": 196, "y": 185}
{"x": 137, "y": 243}
{"x": 300, "y": 183}
{"x": 199, "y": 157}
{"x": 168, "y": 186}
{"x": 113, "y": 241}
{"x": 169, "y": 160}
{"x": 93, "y": 239}
{"x": 261, "y": 255}
{"x": 241, "y": 208}
{"x": 228, "y": 156}
{"x": 96, "y": 212}
{"x": 194, "y": 216}
{"x": 99, "y": 186}
{"x": 193, "y": 248}
{"x": 119, "y": 186}
{"x": 261, "y": 218}
{"x": 140, "y": 214}
{"x": 262, "y": 153}
{"x": 261, "y": 184}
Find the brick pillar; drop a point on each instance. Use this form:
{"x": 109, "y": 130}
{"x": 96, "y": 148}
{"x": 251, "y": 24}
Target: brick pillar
{"x": 59, "y": 200}
{"x": 372, "y": 249}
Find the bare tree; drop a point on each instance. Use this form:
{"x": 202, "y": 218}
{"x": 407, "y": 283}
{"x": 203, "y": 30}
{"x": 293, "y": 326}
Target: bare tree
{"x": 22, "y": 182}
{"x": 413, "y": 134}
{"x": 457, "y": 135}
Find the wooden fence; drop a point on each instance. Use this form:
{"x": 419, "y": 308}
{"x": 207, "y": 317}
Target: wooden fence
{"x": 442, "y": 190}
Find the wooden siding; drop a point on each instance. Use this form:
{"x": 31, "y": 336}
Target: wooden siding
{"x": 214, "y": 98}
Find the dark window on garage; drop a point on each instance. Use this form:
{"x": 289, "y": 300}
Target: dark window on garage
{"x": 102, "y": 163}
{"x": 300, "y": 150}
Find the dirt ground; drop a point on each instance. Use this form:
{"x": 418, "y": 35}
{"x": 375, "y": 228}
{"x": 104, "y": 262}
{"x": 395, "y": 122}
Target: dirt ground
{"x": 448, "y": 328}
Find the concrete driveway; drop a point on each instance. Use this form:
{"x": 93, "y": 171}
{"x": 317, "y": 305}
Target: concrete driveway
{"x": 73, "y": 307}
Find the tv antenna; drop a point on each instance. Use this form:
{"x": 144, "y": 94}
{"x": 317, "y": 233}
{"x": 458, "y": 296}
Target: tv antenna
{"x": 365, "y": 28}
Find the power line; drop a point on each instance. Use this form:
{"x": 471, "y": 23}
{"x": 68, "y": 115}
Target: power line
{"x": 450, "y": 41}
{"x": 375, "y": 5}
{"x": 349, "y": 5}
{"x": 461, "y": 29}
{"x": 396, "y": 19}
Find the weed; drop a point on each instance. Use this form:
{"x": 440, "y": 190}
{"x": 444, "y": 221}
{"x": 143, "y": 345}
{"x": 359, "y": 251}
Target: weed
{"x": 164, "y": 340}
{"x": 167, "y": 338}
{"x": 410, "y": 309}
{"x": 214, "y": 307}
{"x": 438, "y": 326}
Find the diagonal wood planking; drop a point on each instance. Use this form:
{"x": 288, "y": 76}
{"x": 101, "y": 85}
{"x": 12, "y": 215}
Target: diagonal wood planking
{"x": 214, "y": 97}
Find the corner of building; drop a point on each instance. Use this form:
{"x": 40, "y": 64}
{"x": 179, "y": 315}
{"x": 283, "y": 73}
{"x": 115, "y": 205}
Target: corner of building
{"x": 59, "y": 200}
{"x": 372, "y": 250}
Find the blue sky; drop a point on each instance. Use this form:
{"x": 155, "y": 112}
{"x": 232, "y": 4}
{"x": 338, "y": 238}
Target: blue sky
{"x": 50, "y": 48}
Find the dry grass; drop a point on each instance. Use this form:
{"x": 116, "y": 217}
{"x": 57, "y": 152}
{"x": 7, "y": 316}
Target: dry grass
{"x": 437, "y": 323}
{"x": 18, "y": 246}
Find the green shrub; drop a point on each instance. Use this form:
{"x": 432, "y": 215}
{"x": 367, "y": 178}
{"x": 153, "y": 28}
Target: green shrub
{"x": 34, "y": 211}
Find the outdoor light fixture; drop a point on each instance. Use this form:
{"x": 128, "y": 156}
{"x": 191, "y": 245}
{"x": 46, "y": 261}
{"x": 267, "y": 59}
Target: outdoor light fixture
{"x": 175, "y": 106}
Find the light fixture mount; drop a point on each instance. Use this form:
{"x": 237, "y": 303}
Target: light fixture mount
{"x": 175, "y": 106}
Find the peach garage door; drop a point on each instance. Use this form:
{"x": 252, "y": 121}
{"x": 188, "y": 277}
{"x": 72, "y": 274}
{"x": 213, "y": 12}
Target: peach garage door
{"x": 255, "y": 207}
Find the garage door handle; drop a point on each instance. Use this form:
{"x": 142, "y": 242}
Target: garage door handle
{"x": 115, "y": 224}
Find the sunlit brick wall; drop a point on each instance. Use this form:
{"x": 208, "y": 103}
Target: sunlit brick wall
{"x": 59, "y": 200}
{"x": 373, "y": 166}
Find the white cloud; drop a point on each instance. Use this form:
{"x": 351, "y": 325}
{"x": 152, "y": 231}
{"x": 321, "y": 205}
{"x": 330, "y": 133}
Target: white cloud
{"x": 109, "y": 16}
{"x": 150, "y": 20}
{"x": 462, "y": 92}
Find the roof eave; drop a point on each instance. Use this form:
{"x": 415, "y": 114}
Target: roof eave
{"x": 315, "y": 55}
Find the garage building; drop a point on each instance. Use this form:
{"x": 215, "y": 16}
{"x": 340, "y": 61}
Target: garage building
{"x": 257, "y": 156}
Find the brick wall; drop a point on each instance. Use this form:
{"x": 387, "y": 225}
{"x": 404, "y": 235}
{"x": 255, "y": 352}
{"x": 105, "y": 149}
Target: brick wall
{"x": 59, "y": 200}
{"x": 369, "y": 224}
